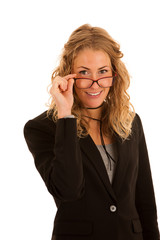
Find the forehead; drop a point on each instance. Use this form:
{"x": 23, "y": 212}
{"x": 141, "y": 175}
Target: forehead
{"x": 90, "y": 58}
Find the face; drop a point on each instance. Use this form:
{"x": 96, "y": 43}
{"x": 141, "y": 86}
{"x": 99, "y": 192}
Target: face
{"x": 92, "y": 64}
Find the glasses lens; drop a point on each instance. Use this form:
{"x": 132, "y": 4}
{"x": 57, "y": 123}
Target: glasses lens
{"x": 83, "y": 83}
{"x": 106, "y": 82}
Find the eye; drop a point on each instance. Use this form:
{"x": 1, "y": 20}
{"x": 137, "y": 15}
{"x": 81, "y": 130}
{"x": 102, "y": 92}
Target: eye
{"x": 104, "y": 71}
{"x": 83, "y": 72}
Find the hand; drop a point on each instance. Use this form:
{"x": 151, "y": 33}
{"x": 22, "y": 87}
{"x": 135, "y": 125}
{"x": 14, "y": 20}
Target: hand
{"x": 62, "y": 93}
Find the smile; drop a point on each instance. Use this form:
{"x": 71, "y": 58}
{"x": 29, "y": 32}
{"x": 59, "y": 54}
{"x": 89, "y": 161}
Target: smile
{"x": 94, "y": 94}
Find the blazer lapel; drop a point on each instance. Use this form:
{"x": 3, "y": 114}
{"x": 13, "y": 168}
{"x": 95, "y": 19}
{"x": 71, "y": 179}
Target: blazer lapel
{"x": 123, "y": 151}
{"x": 90, "y": 149}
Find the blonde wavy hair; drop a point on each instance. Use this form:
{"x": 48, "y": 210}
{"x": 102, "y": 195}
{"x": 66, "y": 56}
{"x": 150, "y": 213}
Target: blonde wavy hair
{"x": 117, "y": 112}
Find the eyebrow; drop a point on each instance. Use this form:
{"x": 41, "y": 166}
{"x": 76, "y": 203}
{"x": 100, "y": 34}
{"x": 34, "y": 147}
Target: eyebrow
{"x": 89, "y": 69}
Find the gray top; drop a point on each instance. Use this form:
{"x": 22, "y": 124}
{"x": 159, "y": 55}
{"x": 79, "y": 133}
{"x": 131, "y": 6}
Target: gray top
{"x": 112, "y": 150}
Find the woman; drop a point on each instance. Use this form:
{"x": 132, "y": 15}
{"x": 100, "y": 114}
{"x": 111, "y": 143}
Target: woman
{"x": 89, "y": 147}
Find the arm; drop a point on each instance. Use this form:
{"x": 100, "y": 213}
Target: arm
{"x": 145, "y": 198}
{"x": 57, "y": 157}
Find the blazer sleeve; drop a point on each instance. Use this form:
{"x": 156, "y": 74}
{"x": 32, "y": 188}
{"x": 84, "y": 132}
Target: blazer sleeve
{"x": 57, "y": 157}
{"x": 145, "y": 198}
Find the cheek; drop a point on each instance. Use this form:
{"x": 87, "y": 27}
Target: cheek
{"x": 106, "y": 91}
{"x": 78, "y": 92}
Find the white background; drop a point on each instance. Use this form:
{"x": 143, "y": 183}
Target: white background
{"x": 33, "y": 33}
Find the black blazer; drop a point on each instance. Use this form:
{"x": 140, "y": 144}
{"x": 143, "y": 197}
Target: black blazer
{"x": 89, "y": 207}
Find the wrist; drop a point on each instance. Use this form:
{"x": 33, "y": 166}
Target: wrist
{"x": 63, "y": 115}
{"x": 69, "y": 116}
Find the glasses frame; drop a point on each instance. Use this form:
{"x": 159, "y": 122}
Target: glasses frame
{"x": 93, "y": 81}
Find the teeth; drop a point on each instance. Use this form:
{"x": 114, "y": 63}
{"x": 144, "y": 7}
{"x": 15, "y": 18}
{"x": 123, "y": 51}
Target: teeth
{"x": 93, "y": 94}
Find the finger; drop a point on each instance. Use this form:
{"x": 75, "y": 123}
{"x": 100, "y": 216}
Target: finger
{"x": 63, "y": 85}
{"x": 70, "y": 84}
{"x": 67, "y": 77}
{"x": 60, "y": 84}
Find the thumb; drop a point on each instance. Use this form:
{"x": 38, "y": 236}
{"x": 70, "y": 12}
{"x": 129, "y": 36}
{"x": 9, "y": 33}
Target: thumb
{"x": 70, "y": 84}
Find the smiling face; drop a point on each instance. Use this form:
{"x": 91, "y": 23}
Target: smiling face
{"x": 92, "y": 64}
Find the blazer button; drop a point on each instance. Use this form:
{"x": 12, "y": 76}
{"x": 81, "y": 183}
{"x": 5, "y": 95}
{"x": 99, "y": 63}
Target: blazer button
{"x": 113, "y": 208}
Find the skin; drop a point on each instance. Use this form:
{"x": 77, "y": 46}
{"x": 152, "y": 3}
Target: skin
{"x": 62, "y": 93}
{"x": 90, "y": 64}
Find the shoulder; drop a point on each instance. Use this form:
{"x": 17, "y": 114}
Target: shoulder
{"x": 42, "y": 122}
{"x": 137, "y": 123}
{"x": 137, "y": 128}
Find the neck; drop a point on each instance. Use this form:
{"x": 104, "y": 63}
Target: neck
{"x": 92, "y": 108}
{"x": 94, "y": 113}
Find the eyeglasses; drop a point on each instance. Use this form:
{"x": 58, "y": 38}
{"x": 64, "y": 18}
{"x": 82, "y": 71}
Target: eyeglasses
{"x": 104, "y": 82}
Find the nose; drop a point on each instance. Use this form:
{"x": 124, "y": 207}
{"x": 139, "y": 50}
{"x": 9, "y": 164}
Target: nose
{"x": 95, "y": 85}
